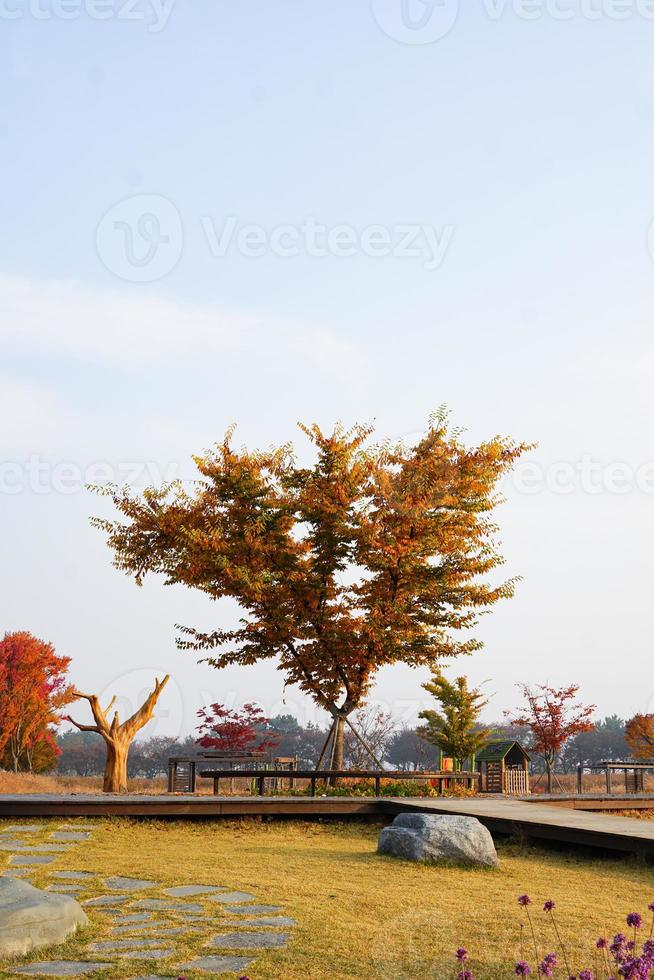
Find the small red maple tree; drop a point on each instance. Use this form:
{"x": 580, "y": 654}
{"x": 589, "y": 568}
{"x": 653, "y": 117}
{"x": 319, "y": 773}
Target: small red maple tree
{"x": 33, "y": 690}
{"x": 552, "y": 716}
{"x": 235, "y": 731}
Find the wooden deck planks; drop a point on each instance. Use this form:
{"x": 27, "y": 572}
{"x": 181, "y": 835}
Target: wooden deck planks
{"x": 535, "y": 820}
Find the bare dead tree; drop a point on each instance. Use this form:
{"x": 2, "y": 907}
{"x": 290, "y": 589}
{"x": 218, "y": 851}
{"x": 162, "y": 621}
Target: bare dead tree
{"x": 118, "y": 738}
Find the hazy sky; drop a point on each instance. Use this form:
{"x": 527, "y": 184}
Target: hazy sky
{"x": 260, "y": 212}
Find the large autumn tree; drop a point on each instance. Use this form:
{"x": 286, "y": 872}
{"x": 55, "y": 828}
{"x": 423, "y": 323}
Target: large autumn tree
{"x": 33, "y": 690}
{"x": 368, "y": 556}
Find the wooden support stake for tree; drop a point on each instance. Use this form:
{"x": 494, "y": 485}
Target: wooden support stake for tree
{"x": 118, "y": 738}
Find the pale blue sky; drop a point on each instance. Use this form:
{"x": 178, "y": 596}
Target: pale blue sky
{"x": 525, "y": 147}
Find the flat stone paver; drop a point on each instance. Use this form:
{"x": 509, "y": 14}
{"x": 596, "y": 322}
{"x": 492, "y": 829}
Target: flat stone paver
{"x": 24, "y": 828}
{"x": 265, "y": 922}
{"x": 66, "y": 889}
{"x": 23, "y": 862}
{"x": 31, "y": 848}
{"x": 118, "y": 945}
{"x": 70, "y": 835}
{"x": 76, "y": 826}
{"x": 219, "y": 964}
{"x": 161, "y": 905}
{"x": 73, "y": 875}
{"x": 129, "y": 884}
{"x": 253, "y": 909}
{"x": 17, "y": 872}
{"x": 232, "y": 897}
{"x": 250, "y": 940}
{"x": 134, "y": 918}
{"x": 108, "y": 900}
{"x": 149, "y": 929}
{"x": 147, "y": 954}
{"x": 61, "y": 968}
{"x": 187, "y": 891}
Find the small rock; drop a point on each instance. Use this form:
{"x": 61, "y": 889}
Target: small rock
{"x": 107, "y": 900}
{"x": 161, "y": 905}
{"x": 439, "y": 838}
{"x": 73, "y": 875}
{"x": 266, "y": 922}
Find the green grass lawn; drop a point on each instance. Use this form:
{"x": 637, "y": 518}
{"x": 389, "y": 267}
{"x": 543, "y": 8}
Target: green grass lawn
{"x": 359, "y": 915}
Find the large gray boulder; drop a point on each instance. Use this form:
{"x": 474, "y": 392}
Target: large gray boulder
{"x": 439, "y": 838}
{"x": 30, "y": 918}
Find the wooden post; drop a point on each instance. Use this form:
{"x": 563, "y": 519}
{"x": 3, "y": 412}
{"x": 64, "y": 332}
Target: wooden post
{"x": 313, "y": 785}
{"x": 580, "y": 778}
{"x": 192, "y": 777}
{"x": 609, "y": 780}
{"x": 172, "y": 769}
{"x": 262, "y": 785}
{"x": 377, "y": 786}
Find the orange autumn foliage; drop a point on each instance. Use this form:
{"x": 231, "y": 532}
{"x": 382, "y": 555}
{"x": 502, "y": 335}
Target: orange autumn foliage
{"x": 33, "y": 690}
{"x": 368, "y": 556}
{"x": 639, "y": 735}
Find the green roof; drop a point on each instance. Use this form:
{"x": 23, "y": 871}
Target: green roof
{"x": 496, "y": 751}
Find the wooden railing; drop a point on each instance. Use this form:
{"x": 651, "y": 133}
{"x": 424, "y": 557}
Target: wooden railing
{"x": 516, "y": 782}
{"x": 327, "y": 776}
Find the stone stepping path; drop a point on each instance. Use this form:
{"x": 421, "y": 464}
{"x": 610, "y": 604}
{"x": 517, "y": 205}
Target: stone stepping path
{"x": 129, "y": 884}
{"x": 61, "y": 968}
{"x": 141, "y": 928}
{"x": 70, "y": 835}
{"x": 253, "y": 909}
{"x": 187, "y": 891}
{"x": 219, "y": 964}
{"x": 250, "y": 940}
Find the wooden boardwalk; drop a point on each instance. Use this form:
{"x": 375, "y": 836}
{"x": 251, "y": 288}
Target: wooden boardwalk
{"x": 540, "y": 821}
{"x": 536, "y": 821}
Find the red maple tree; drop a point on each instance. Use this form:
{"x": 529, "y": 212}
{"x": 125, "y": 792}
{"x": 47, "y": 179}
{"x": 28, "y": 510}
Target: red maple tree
{"x": 234, "y": 731}
{"x": 33, "y": 690}
{"x": 552, "y": 716}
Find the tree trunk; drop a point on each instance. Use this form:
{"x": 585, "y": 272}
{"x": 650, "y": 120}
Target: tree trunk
{"x": 549, "y": 775}
{"x": 339, "y": 733}
{"x": 115, "y": 771}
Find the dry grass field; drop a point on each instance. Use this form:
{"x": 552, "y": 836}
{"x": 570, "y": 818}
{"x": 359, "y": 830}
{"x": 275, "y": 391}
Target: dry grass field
{"x": 358, "y": 914}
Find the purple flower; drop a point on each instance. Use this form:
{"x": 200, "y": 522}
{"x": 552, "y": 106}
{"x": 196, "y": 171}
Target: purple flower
{"x": 586, "y": 975}
{"x": 522, "y": 969}
{"x": 602, "y": 944}
{"x": 465, "y": 975}
{"x": 524, "y": 900}
{"x": 634, "y": 920}
{"x": 549, "y": 964}
{"x": 462, "y": 954}
{"x": 549, "y": 905}
{"x": 651, "y": 906}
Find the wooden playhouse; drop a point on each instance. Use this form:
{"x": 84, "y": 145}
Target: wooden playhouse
{"x": 503, "y": 768}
